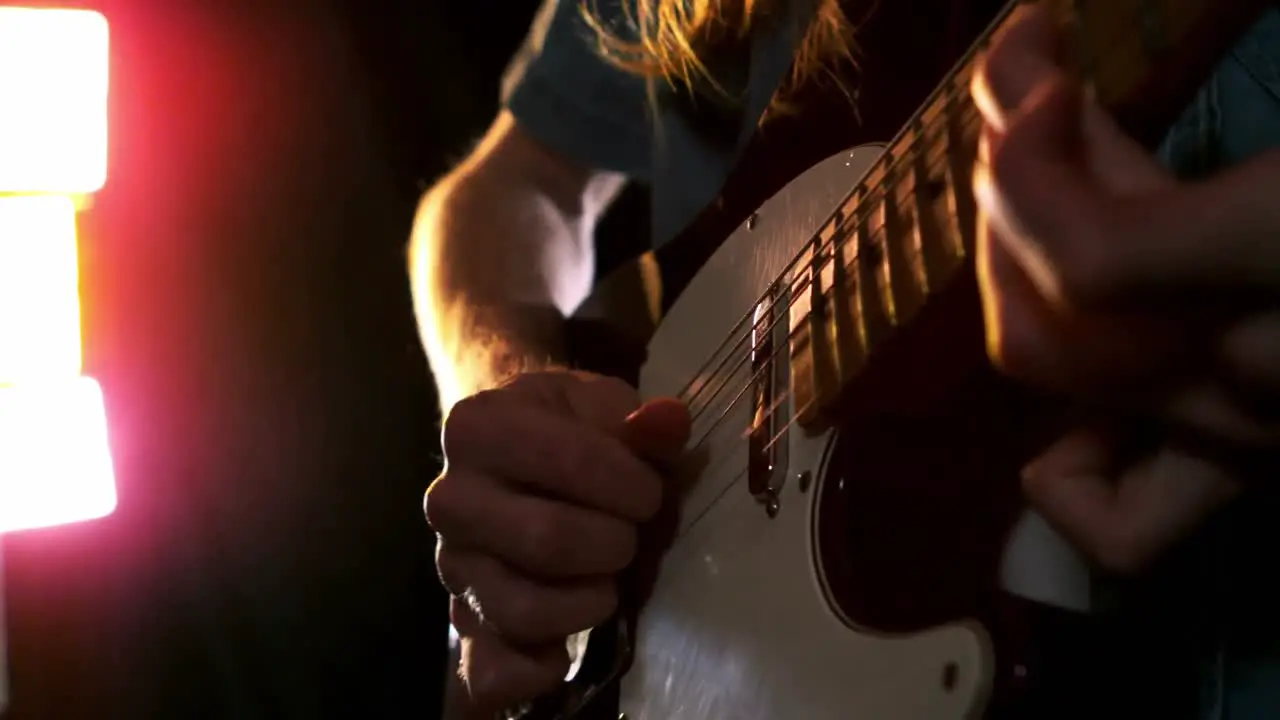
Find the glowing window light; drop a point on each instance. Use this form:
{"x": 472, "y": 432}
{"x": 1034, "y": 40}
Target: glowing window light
{"x": 53, "y": 100}
{"x": 39, "y": 289}
{"x": 55, "y": 460}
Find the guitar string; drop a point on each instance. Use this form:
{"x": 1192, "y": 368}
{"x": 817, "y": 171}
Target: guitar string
{"x": 865, "y": 207}
{"x": 945, "y": 90}
{"x": 822, "y": 253}
{"x": 948, "y": 85}
{"x": 825, "y": 254}
{"x": 767, "y": 365}
{"x": 775, "y": 406}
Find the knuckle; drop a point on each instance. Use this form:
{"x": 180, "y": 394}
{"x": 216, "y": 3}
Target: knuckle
{"x": 463, "y": 618}
{"x": 450, "y": 569}
{"x": 603, "y": 400}
{"x": 615, "y": 389}
{"x": 437, "y": 502}
{"x": 544, "y": 388}
{"x": 466, "y": 418}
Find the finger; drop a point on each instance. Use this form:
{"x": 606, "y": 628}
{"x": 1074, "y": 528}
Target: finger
{"x": 1086, "y": 247}
{"x": 1211, "y": 415}
{"x": 527, "y": 612}
{"x": 1250, "y": 356}
{"x": 449, "y": 568}
{"x": 658, "y": 431}
{"x": 1020, "y": 57}
{"x": 1040, "y": 196}
{"x": 1019, "y": 324}
{"x": 1112, "y": 357}
{"x": 539, "y": 536}
{"x": 1251, "y": 351}
{"x": 600, "y": 401}
{"x": 497, "y": 676}
{"x": 551, "y": 453}
{"x": 1123, "y": 520}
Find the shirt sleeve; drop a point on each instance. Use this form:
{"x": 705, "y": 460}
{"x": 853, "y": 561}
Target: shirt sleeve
{"x": 568, "y": 97}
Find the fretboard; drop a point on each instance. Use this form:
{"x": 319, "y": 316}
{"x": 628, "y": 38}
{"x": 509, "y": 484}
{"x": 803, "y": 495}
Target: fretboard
{"x": 909, "y": 226}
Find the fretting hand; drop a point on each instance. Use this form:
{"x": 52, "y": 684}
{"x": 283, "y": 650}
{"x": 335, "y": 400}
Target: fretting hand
{"x": 1090, "y": 257}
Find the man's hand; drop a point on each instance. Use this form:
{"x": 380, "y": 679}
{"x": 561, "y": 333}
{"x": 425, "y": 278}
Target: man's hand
{"x": 1105, "y": 277}
{"x": 545, "y": 485}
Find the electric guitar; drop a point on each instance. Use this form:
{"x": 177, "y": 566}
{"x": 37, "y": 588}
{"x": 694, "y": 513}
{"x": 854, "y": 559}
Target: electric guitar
{"x": 849, "y": 540}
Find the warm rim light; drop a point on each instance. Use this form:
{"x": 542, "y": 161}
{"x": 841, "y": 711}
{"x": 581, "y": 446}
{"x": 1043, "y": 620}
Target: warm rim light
{"x": 54, "y": 69}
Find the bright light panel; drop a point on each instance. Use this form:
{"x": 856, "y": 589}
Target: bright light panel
{"x": 39, "y": 289}
{"x": 55, "y": 460}
{"x": 53, "y": 100}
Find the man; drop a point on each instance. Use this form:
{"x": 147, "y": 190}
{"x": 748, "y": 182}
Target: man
{"x": 1085, "y": 239}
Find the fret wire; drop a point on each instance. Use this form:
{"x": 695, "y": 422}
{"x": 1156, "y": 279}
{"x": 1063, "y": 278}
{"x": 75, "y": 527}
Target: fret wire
{"x": 947, "y": 91}
{"x": 802, "y": 282}
{"x": 962, "y": 65}
{"x": 766, "y": 417}
{"x": 767, "y": 364}
{"x": 819, "y": 248}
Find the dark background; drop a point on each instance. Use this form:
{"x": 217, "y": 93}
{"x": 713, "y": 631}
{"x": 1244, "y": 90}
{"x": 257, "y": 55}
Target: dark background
{"x": 247, "y": 312}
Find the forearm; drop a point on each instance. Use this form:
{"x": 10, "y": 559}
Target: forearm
{"x": 494, "y": 274}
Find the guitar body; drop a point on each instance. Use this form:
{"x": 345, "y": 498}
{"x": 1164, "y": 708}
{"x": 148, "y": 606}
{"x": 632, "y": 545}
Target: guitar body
{"x": 740, "y": 624}
{"x": 871, "y": 583}
{"x": 887, "y": 567}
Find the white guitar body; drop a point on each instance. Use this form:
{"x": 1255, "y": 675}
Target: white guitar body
{"x": 738, "y": 627}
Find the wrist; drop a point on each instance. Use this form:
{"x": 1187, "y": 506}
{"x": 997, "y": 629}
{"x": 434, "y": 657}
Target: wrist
{"x": 489, "y": 345}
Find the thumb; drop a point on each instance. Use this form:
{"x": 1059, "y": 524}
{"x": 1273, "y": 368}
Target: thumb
{"x": 658, "y": 431}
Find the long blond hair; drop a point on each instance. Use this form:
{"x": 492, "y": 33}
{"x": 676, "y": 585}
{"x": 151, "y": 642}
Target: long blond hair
{"x": 670, "y": 39}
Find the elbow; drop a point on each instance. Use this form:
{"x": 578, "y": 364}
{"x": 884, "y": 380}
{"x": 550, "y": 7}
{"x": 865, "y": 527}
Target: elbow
{"x": 485, "y": 238}
{"x": 514, "y": 222}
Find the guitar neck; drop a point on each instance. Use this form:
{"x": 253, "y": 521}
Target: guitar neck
{"x": 907, "y": 228}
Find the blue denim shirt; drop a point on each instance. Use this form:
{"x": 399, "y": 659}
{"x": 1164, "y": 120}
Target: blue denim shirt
{"x": 563, "y": 94}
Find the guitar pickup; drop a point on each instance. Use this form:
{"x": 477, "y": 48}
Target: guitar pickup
{"x": 770, "y": 401}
